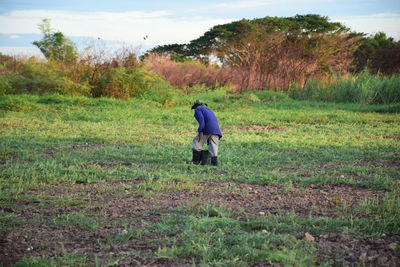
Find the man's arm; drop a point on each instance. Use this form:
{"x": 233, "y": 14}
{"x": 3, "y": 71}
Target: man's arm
{"x": 200, "y": 119}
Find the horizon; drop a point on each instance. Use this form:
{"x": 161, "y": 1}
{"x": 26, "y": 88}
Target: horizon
{"x": 143, "y": 26}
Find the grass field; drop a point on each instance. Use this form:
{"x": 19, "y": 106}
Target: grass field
{"x": 104, "y": 182}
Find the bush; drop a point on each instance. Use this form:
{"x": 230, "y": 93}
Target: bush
{"x": 121, "y": 83}
{"x": 40, "y": 78}
{"x": 135, "y": 82}
{"x": 84, "y": 79}
{"x": 5, "y": 85}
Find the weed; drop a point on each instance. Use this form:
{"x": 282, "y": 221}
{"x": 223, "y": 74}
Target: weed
{"x": 384, "y": 212}
{"x": 77, "y": 219}
{"x": 222, "y": 240}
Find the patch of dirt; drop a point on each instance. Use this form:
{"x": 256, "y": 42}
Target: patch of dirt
{"x": 111, "y": 165}
{"x": 256, "y": 199}
{"x": 77, "y": 146}
{"x": 389, "y": 163}
{"x": 12, "y": 125}
{"x": 260, "y": 127}
{"x": 343, "y": 249}
{"x": 395, "y": 137}
{"x": 8, "y": 160}
{"x": 108, "y": 208}
{"x": 54, "y": 241}
{"x": 84, "y": 188}
{"x": 51, "y": 111}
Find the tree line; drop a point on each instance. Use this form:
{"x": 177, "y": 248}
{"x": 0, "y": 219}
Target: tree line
{"x": 277, "y": 51}
{"x": 271, "y": 53}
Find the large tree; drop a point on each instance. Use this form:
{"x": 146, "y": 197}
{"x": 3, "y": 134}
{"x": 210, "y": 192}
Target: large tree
{"x": 54, "y": 45}
{"x": 274, "y": 52}
{"x": 378, "y": 53}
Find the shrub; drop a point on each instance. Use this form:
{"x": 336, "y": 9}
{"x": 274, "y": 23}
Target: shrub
{"x": 135, "y": 82}
{"x": 40, "y": 78}
{"x": 5, "y": 85}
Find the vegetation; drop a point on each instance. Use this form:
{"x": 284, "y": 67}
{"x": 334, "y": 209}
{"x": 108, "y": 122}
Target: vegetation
{"x": 93, "y": 150}
{"x": 362, "y": 88}
{"x": 54, "y": 45}
{"x": 378, "y": 53}
{"x": 273, "y": 52}
{"x": 118, "y": 79}
{"x": 110, "y": 175}
{"x": 306, "y": 56}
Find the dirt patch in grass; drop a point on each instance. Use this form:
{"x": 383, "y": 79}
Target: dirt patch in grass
{"x": 389, "y": 163}
{"x": 395, "y": 137}
{"x": 254, "y": 200}
{"x": 112, "y": 165}
{"x": 54, "y": 241}
{"x": 259, "y": 127}
{"x": 115, "y": 209}
{"x": 84, "y": 188}
{"x": 75, "y": 146}
{"x": 341, "y": 249}
{"x": 7, "y": 160}
{"x": 12, "y": 125}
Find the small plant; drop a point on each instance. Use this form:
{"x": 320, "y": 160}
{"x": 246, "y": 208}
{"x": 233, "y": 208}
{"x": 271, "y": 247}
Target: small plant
{"x": 222, "y": 240}
{"x": 385, "y": 212}
{"x": 76, "y": 219}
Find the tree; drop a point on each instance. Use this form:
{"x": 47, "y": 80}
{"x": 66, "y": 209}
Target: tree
{"x": 273, "y": 52}
{"x": 378, "y": 53}
{"x": 54, "y": 45}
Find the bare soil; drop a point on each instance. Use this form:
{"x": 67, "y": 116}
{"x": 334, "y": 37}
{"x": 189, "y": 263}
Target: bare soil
{"x": 108, "y": 205}
{"x": 259, "y": 127}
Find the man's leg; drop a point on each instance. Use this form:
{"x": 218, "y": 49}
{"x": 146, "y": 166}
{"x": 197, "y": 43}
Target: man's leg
{"x": 197, "y": 145}
{"x": 213, "y": 142}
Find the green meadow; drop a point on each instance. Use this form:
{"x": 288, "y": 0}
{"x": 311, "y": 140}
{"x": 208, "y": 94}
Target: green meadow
{"x": 102, "y": 182}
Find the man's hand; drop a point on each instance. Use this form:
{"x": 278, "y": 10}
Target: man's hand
{"x": 200, "y": 135}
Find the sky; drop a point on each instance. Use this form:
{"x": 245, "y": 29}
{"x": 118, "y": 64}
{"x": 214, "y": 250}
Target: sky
{"x": 147, "y": 23}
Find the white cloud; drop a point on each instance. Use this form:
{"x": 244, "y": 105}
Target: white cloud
{"x": 265, "y": 3}
{"x": 15, "y": 36}
{"x": 244, "y": 4}
{"x": 129, "y": 27}
{"x": 386, "y": 22}
{"x": 21, "y": 51}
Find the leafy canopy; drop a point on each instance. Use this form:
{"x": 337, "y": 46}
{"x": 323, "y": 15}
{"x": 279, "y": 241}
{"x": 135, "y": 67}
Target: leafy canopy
{"x": 54, "y": 45}
{"x": 221, "y": 36}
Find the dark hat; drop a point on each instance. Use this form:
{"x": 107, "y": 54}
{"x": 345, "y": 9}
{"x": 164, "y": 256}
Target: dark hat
{"x": 198, "y": 103}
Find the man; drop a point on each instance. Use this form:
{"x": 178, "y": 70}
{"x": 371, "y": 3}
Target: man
{"x": 208, "y": 131}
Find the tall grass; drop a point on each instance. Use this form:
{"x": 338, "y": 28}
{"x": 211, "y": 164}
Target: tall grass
{"x": 362, "y": 88}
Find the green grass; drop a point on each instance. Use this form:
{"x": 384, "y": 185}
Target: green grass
{"x": 269, "y": 139}
{"x": 76, "y": 219}
{"x": 363, "y": 88}
{"x": 65, "y": 140}
{"x": 68, "y": 259}
{"x": 223, "y": 241}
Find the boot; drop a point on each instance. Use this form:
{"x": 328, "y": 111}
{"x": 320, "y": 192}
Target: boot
{"x": 196, "y": 158}
{"x": 205, "y": 157}
{"x": 214, "y": 161}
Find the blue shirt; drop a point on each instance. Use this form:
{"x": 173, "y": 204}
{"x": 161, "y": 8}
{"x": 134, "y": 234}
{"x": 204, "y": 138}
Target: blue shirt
{"x": 208, "y": 123}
